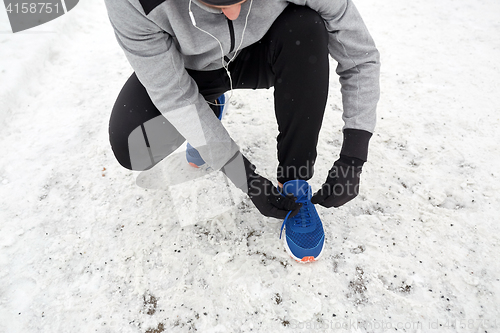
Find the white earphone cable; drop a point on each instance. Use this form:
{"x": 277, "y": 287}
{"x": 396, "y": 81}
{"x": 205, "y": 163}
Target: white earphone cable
{"x": 225, "y": 66}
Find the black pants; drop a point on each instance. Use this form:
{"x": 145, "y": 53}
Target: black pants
{"x": 292, "y": 57}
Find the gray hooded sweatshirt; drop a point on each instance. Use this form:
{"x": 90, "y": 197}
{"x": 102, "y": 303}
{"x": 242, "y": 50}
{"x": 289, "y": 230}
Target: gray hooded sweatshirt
{"x": 160, "y": 40}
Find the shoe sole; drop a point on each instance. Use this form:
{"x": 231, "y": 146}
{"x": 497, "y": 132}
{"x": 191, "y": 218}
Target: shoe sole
{"x": 193, "y": 165}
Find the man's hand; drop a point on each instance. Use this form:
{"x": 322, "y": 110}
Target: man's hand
{"x": 264, "y": 195}
{"x": 342, "y": 183}
{"x": 268, "y": 200}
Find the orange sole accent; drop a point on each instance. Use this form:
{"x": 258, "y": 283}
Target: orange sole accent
{"x": 308, "y": 259}
{"x": 193, "y": 165}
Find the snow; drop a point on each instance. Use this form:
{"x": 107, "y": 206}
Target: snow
{"x": 83, "y": 248}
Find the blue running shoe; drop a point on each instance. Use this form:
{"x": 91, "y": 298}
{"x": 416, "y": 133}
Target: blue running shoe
{"x": 304, "y": 235}
{"x": 192, "y": 155}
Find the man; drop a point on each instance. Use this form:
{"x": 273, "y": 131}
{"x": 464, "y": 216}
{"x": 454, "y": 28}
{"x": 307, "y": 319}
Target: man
{"x": 187, "y": 53}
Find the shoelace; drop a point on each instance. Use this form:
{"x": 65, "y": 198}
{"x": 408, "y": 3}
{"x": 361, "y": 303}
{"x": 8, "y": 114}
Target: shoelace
{"x": 306, "y": 222}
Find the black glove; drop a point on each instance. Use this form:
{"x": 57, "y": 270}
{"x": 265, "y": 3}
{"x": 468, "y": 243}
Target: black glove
{"x": 342, "y": 183}
{"x": 264, "y": 195}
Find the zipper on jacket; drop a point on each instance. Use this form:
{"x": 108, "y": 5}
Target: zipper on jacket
{"x": 231, "y": 33}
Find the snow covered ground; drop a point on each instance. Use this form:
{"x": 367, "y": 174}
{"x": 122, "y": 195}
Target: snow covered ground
{"x": 84, "y": 249}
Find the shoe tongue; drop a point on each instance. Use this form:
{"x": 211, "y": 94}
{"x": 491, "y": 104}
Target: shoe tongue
{"x": 299, "y": 188}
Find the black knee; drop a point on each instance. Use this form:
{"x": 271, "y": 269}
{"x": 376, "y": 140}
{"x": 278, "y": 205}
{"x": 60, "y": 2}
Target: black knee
{"x": 132, "y": 109}
{"x": 303, "y": 27}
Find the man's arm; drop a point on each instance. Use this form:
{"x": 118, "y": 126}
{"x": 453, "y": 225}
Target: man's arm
{"x": 351, "y": 45}
{"x": 160, "y": 68}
